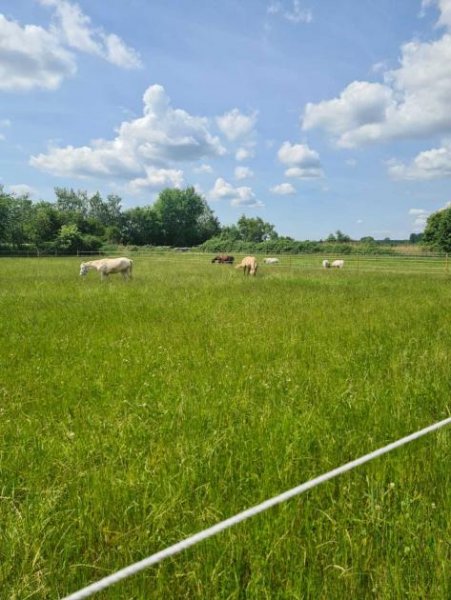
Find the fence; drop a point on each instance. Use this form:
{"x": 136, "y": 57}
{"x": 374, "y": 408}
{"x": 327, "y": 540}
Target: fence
{"x": 246, "y": 514}
{"x": 409, "y": 263}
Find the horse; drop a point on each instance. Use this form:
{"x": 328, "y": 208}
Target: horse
{"x": 326, "y": 264}
{"x": 249, "y": 265}
{"x": 270, "y": 261}
{"x": 338, "y": 264}
{"x": 223, "y": 259}
{"x": 107, "y": 266}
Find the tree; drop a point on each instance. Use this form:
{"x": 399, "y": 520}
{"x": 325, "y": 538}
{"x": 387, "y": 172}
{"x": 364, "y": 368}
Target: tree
{"x": 437, "y": 233}
{"x": 415, "y": 238}
{"x": 342, "y": 237}
{"x": 69, "y": 238}
{"x": 46, "y": 223}
{"x": 368, "y": 239}
{"x": 69, "y": 201}
{"x": 185, "y": 217}
{"x": 255, "y": 230}
{"x": 141, "y": 226}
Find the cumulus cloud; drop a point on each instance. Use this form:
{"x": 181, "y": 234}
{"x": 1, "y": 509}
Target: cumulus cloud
{"x": 238, "y": 196}
{"x": 203, "y": 169}
{"x": 283, "y": 189}
{"x": 75, "y": 29}
{"x": 157, "y": 179}
{"x": 22, "y": 189}
{"x": 243, "y": 173}
{"x": 161, "y": 137}
{"x": 420, "y": 218}
{"x": 244, "y": 153}
{"x": 444, "y": 7}
{"x": 235, "y": 125}
{"x": 430, "y": 164}
{"x": 302, "y": 161}
{"x": 31, "y": 57}
{"x": 413, "y": 100}
{"x": 291, "y": 11}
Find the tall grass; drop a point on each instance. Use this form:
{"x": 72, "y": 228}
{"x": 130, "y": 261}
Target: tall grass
{"x": 135, "y": 414}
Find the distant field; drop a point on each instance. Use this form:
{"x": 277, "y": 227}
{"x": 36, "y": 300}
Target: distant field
{"x": 135, "y": 414}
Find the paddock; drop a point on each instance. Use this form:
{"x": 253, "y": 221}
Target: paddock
{"x": 138, "y": 414}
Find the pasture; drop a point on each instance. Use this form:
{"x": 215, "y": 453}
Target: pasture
{"x": 134, "y": 414}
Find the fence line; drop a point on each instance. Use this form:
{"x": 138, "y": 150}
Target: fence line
{"x": 246, "y": 514}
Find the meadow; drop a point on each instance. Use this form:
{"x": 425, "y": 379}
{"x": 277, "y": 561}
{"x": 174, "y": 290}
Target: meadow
{"x": 133, "y": 414}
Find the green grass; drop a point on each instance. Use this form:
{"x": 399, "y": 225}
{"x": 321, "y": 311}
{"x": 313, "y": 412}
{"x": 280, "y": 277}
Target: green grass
{"x": 135, "y": 414}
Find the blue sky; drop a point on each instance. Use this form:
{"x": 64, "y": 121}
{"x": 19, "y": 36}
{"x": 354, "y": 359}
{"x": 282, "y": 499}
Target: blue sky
{"x": 315, "y": 115}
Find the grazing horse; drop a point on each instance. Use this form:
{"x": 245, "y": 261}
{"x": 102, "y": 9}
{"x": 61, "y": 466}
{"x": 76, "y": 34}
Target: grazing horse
{"x": 249, "y": 265}
{"x": 107, "y": 266}
{"x": 326, "y": 264}
{"x": 223, "y": 259}
{"x": 338, "y": 264}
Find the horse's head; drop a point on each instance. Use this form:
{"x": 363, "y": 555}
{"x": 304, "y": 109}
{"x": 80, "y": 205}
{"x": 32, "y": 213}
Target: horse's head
{"x": 83, "y": 269}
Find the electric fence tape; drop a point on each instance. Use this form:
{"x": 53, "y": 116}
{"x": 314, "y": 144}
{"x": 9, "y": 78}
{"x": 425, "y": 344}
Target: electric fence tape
{"x": 246, "y": 514}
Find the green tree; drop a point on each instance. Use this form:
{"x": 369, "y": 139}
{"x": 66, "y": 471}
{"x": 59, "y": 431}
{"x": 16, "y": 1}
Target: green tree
{"x": 255, "y": 230}
{"x": 71, "y": 202}
{"x": 185, "y": 217}
{"x": 342, "y": 237}
{"x": 141, "y": 226}
{"x": 69, "y": 238}
{"x": 437, "y": 233}
{"x": 415, "y": 238}
{"x": 45, "y": 224}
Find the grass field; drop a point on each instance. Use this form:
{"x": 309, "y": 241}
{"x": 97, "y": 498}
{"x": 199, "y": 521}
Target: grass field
{"x": 135, "y": 414}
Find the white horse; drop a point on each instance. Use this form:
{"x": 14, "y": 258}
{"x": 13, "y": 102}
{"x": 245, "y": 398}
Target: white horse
{"x": 249, "y": 265}
{"x": 326, "y": 264}
{"x": 271, "y": 261}
{"x": 338, "y": 264}
{"x": 106, "y": 266}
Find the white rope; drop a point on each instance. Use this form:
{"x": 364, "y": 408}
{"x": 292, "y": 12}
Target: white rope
{"x": 246, "y": 514}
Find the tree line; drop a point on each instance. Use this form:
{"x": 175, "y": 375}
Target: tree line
{"x": 77, "y": 221}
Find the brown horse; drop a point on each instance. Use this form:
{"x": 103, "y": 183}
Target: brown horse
{"x": 223, "y": 259}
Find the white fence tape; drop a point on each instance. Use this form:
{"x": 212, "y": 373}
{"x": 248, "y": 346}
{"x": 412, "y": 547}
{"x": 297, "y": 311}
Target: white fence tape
{"x": 246, "y": 514}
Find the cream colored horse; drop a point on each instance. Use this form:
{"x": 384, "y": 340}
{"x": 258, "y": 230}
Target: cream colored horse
{"x": 249, "y": 265}
{"x": 107, "y": 266}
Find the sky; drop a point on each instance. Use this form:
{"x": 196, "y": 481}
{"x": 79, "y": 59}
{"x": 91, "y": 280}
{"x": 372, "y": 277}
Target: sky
{"x": 315, "y": 115}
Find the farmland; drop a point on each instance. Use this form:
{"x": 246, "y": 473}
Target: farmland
{"x": 135, "y": 414}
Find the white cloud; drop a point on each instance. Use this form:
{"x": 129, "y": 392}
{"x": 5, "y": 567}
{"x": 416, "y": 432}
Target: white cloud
{"x": 22, "y": 189}
{"x": 157, "y": 179}
{"x": 161, "y": 137}
{"x": 31, "y": 57}
{"x": 420, "y": 218}
{"x": 430, "y": 164}
{"x": 238, "y": 196}
{"x": 243, "y": 173}
{"x": 444, "y": 7}
{"x": 75, "y": 29}
{"x": 35, "y": 57}
{"x": 413, "y": 100}
{"x": 244, "y": 153}
{"x": 290, "y": 11}
{"x": 235, "y": 125}
{"x": 283, "y": 189}
{"x": 203, "y": 169}
{"x": 302, "y": 161}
